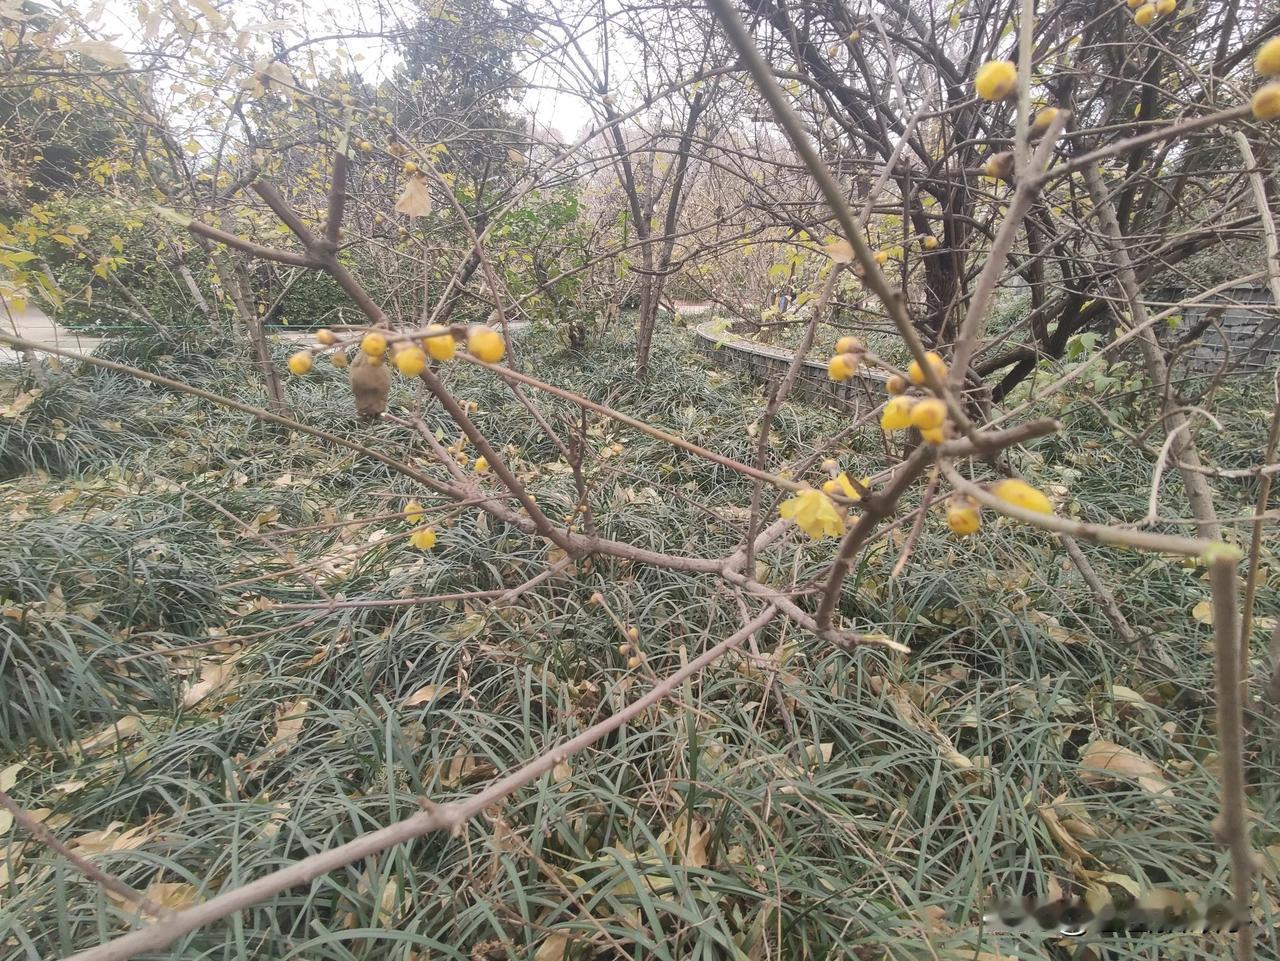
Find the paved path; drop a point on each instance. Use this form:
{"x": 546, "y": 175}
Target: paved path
{"x": 34, "y": 324}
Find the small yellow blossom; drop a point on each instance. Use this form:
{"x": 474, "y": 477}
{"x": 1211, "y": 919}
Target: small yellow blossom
{"x": 814, "y": 513}
{"x": 423, "y": 539}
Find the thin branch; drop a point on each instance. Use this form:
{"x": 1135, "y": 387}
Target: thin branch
{"x": 451, "y": 817}
{"x": 90, "y": 870}
{"x": 1232, "y": 825}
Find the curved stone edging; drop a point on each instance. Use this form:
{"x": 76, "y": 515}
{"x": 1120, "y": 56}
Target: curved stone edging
{"x": 769, "y": 365}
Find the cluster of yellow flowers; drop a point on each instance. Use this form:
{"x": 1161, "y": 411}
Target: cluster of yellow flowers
{"x": 964, "y": 514}
{"x": 1266, "y": 101}
{"x": 409, "y": 357}
{"x": 1145, "y": 12}
{"x": 998, "y": 79}
{"x": 424, "y": 538}
{"x": 927, "y": 414}
{"x": 847, "y": 359}
{"x": 814, "y": 511}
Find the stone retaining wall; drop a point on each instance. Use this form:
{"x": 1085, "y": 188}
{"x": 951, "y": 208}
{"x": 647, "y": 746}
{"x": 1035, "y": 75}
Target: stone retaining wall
{"x": 1246, "y": 337}
{"x": 768, "y": 365}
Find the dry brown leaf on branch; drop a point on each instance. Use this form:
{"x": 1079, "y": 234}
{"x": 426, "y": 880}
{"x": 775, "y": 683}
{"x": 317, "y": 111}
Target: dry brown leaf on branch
{"x": 839, "y": 250}
{"x": 106, "y": 53}
{"x": 1103, "y": 762}
{"x": 414, "y": 200}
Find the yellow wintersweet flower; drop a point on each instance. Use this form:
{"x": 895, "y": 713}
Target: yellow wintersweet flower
{"x": 847, "y": 488}
{"x": 482, "y": 464}
{"x": 814, "y": 513}
{"x": 1021, "y": 494}
{"x": 423, "y": 539}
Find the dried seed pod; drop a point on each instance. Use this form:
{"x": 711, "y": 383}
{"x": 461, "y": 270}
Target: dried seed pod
{"x": 371, "y": 384}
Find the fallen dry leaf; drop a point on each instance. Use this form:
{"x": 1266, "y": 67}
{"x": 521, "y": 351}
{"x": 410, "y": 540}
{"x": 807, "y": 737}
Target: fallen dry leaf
{"x": 554, "y": 948}
{"x": 289, "y": 720}
{"x": 1105, "y": 761}
{"x": 562, "y": 774}
{"x": 174, "y": 895}
{"x": 1065, "y": 839}
{"x": 120, "y": 730}
{"x": 688, "y": 841}
{"x": 114, "y": 837}
{"x": 214, "y": 675}
{"x": 421, "y": 696}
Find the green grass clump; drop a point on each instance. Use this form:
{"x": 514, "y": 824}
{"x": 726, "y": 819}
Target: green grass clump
{"x": 794, "y": 801}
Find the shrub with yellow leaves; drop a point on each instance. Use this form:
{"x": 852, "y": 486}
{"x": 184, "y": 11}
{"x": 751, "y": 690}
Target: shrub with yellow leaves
{"x": 1266, "y": 102}
{"x": 964, "y": 516}
{"x": 928, "y": 414}
{"x": 1267, "y": 63}
{"x": 441, "y": 345}
{"x": 842, "y": 367}
{"x": 841, "y": 486}
{"x": 916, "y": 373}
{"x": 411, "y": 361}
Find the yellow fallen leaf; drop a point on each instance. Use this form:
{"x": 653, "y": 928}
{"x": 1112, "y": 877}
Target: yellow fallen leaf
{"x": 114, "y": 837}
{"x": 1065, "y": 840}
{"x": 289, "y": 720}
{"x": 562, "y": 774}
{"x": 688, "y": 841}
{"x": 174, "y": 895}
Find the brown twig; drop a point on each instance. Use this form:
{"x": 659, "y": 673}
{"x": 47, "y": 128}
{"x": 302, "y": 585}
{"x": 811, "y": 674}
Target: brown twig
{"x": 451, "y": 817}
{"x": 90, "y": 870}
{"x": 1232, "y": 825}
